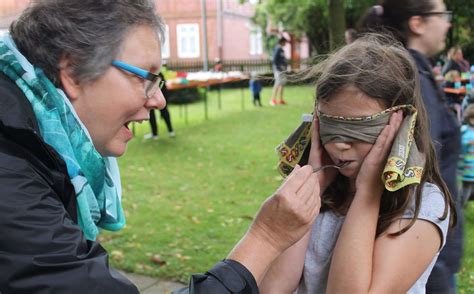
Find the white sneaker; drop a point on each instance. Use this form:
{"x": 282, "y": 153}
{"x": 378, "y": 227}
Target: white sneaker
{"x": 171, "y": 134}
{"x": 150, "y": 136}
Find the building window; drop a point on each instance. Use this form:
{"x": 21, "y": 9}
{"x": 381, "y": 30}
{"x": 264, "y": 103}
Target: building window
{"x": 165, "y": 48}
{"x": 256, "y": 45}
{"x": 187, "y": 36}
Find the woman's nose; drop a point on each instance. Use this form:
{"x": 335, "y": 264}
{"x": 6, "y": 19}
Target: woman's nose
{"x": 157, "y": 101}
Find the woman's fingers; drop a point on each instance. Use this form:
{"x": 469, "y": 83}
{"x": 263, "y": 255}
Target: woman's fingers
{"x": 305, "y": 193}
{"x": 287, "y": 215}
{"x": 295, "y": 179}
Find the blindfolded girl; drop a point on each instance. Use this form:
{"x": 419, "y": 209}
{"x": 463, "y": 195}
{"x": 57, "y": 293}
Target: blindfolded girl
{"x": 386, "y": 212}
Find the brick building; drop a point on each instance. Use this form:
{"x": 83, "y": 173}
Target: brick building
{"x": 230, "y": 31}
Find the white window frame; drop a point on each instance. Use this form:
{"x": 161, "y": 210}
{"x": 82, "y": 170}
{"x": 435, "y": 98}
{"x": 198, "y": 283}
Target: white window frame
{"x": 165, "y": 48}
{"x": 256, "y": 41}
{"x": 188, "y": 40}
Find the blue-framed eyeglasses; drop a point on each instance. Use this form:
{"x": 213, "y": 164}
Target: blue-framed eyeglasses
{"x": 153, "y": 82}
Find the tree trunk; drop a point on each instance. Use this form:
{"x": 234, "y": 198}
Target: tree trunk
{"x": 337, "y": 23}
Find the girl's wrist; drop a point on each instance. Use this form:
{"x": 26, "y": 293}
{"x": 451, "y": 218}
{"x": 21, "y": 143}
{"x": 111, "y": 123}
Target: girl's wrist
{"x": 369, "y": 193}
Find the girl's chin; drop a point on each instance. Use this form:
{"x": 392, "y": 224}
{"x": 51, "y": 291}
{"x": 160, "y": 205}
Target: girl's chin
{"x": 350, "y": 171}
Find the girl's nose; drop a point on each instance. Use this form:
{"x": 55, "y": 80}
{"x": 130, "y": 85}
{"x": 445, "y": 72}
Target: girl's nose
{"x": 342, "y": 145}
{"x": 156, "y": 101}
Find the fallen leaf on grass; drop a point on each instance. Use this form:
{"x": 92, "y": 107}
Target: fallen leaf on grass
{"x": 103, "y": 238}
{"x": 117, "y": 255}
{"x": 157, "y": 260}
{"x": 182, "y": 257}
{"x": 141, "y": 266}
{"x": 194, "y": 219}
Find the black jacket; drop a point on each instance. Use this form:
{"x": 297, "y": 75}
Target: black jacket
{"x": 446, "y": 136}
{"x": 42, "y": 249}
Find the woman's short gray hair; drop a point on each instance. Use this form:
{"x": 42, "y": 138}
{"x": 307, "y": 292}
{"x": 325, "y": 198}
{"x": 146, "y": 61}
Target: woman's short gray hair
{"x": 88, "y": 32}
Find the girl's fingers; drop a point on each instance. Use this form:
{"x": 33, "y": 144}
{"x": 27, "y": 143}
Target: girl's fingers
{"x": 385, "y": 139}
{"x": 395, "y": 123}
{"x": 316, "y": 148}
{"x": 315, "y": 133}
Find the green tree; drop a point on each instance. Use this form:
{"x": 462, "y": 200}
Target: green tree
{"x": 462, "y": 31}
{"x": 311, "y": 17}
{"x": 307, "y": 17}
{"x": 337, "y": 22}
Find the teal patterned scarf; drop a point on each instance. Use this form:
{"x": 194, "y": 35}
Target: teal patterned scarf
{"x": 96, "y": 179}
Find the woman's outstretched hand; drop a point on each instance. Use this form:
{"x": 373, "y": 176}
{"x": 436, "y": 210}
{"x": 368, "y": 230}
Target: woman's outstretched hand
{"x": 283, "y": 219}
{"x": 288, "y": 214}
{"x": 319, "y": 157}
{"x": 371, "y": 170}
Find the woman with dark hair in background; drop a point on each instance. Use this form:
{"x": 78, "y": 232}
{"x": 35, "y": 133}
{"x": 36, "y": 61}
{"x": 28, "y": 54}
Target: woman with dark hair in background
{"x": 421, "y": 26}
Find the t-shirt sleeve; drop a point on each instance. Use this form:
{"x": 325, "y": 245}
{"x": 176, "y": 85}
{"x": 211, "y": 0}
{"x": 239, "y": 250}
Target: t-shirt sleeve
{"x": 432, "y": 209}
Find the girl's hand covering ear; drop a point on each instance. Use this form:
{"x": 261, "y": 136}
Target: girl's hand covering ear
{"x": 369, "y": 176}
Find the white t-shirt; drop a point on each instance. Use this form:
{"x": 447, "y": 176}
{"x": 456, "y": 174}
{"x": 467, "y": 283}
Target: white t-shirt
{"x": 326, "y": 230}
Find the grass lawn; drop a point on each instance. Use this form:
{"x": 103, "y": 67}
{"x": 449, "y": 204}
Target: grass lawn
{"x": 189, "y": 199}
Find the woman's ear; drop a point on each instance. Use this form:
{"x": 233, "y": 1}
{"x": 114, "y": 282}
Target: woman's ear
{"x": 416, "y": 24}
{"x": 70, "y": 86}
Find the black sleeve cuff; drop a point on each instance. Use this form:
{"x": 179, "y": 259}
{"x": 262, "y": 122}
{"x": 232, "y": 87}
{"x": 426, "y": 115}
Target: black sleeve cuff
{"x": 245, "y": 274}
{"x": 227, "y": 276}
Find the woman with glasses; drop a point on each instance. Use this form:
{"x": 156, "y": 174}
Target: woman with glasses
{"x": 73, "y": 76}
{"x": 421, "y": 26}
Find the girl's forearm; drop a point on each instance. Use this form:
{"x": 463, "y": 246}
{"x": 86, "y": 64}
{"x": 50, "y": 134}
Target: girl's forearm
{"x": 284, "y": 274}
{"x": 351, "y": 265}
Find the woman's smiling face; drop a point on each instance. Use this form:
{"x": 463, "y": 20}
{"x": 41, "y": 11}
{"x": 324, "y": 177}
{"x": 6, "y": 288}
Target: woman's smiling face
{"x": 110, "y": 103}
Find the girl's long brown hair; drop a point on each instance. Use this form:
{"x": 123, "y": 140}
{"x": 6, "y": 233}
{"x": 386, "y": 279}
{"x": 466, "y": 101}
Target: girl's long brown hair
{"x": 381, "y": 68}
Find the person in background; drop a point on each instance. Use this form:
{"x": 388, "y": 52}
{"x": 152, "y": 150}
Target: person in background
{"x": 467, "y": 165}
{"x": 455, "y": 62}
{"x": 255, "y": 88}
{"x": 73, "y": 76}
{"x": 217, "y": 65}
{"x": 421, "y": 26}
{"x": 350, "y": 35}
{"x": 164, "y": 113}
{"x": 279, "y": 66}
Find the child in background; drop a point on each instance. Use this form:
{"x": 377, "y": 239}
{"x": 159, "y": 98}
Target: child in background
{"x": 467, "y": 153}
{"x": 386, "y": 212}
{"x": 255, "y": 87}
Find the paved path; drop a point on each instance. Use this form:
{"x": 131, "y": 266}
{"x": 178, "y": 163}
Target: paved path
{"x": 149, "y": 285}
